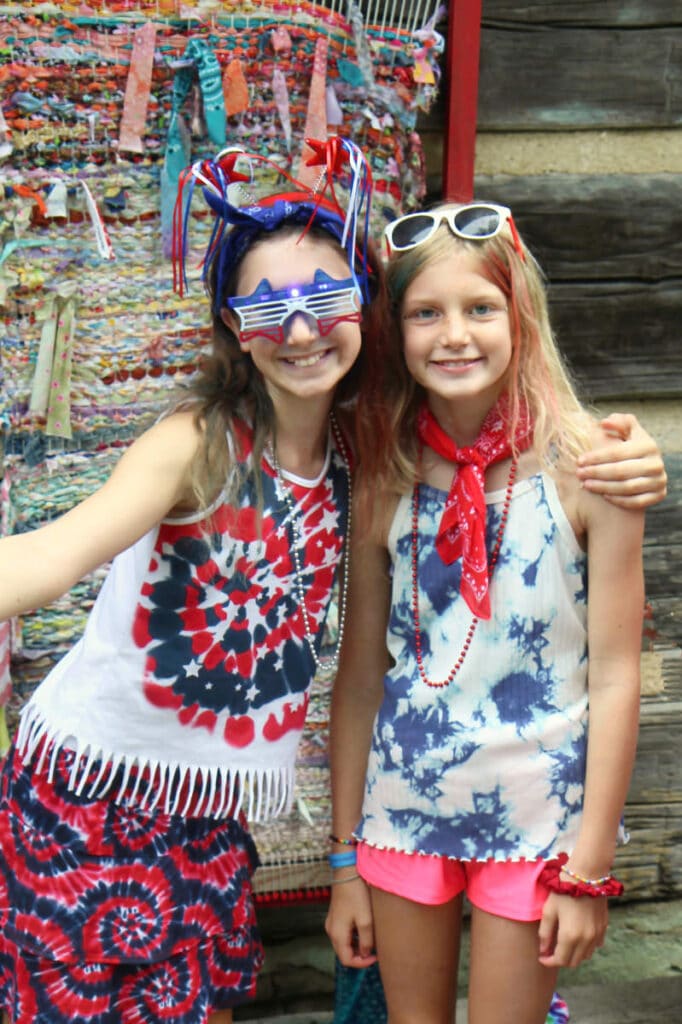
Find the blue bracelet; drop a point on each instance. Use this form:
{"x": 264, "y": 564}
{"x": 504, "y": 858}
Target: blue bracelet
{"x": 345, "y": 859}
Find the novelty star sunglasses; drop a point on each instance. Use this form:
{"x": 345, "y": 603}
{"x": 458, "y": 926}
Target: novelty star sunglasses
{"x": 266, "y": 312}
{"x": 473, "y": 221}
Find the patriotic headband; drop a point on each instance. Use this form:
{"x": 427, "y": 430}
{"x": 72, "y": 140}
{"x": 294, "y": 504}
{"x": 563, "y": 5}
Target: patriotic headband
{"x": 233, "y": 173}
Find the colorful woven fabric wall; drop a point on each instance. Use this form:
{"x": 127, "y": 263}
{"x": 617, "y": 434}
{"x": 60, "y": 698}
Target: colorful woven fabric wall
{"x": 102, "y": 105}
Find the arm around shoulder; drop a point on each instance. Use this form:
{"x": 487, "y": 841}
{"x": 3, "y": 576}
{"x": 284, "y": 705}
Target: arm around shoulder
{"x": 625, "y": 464}
{"x": 150, "y": 479}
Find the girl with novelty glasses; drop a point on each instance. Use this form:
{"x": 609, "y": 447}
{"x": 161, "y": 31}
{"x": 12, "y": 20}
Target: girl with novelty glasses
{"x": 459, "y": 736}
{"x": 126, "y": 858}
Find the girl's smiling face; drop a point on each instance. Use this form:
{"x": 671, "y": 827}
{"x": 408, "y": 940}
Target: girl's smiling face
{"x": 306, "y": 364}
{"x": 456, "y": 334}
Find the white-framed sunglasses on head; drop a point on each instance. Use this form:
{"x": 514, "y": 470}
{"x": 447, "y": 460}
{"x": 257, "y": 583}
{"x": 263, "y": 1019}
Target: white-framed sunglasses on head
{"x": 472, "y": 221}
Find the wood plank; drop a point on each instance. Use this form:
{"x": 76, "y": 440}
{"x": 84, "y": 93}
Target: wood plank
{"x": 550, "y": 66}
{"x": 596, "y": 227}
{"x": 618, "y": 337}
{"x": 663, "y": 576}
{"x": 650, "y": 865}
{"x": 580, "y": 78}
{"x": 635, "y": 13}
{"x": 611, "y": 247}
{"x": 657, "y": 776}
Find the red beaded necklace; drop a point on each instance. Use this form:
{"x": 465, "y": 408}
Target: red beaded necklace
{"x": 415, "y": 582}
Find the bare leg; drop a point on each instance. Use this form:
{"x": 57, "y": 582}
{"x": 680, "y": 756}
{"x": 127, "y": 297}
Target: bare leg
{"x": 507, "y": 984}
{"x": 418, "y": 950}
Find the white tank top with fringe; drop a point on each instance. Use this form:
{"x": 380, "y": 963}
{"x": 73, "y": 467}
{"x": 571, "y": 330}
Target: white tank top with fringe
{"x": 193, "y": 672}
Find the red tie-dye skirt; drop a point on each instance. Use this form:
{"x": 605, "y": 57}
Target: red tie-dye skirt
{"x": 110, "y": 914}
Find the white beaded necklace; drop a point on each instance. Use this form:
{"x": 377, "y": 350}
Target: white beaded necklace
{"x": 331, "y": 662}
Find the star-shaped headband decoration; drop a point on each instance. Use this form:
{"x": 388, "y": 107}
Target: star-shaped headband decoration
{"x": 330, "y": 154}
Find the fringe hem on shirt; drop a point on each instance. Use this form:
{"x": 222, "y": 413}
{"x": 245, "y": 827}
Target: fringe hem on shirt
{"x": 215, "y": 791}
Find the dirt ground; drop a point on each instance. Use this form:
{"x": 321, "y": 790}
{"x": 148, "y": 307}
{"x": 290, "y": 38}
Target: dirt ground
{"x": 635, "y": 979}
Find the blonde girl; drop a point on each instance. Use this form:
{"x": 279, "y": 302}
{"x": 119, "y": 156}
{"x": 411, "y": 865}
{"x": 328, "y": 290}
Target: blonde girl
{"x": 485, "y": 716}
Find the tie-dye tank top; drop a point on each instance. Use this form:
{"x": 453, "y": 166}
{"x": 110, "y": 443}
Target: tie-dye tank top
{"x": 492, "y": 765}
{"x": 194, "y": 671}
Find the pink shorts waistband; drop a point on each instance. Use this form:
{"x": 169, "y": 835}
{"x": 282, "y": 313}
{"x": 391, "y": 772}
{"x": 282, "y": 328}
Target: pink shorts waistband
{"x": 505, "y": 888}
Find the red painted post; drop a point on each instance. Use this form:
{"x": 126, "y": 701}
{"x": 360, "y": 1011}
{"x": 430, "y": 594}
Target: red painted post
{"x": 461, "y": 99}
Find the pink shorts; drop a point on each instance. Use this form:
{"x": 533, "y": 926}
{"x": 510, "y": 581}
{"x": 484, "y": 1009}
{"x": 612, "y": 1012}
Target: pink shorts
{"x": 505, "y": 888}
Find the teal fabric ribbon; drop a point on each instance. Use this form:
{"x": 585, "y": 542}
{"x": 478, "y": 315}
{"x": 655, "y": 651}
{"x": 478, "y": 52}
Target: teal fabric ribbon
{"x": 198, "y": 60}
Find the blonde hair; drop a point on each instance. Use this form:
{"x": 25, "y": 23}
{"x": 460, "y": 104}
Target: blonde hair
{"x": 538, "y": 376}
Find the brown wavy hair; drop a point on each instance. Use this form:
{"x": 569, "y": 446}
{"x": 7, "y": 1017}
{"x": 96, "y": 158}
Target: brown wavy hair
{"x": 229, "y": 388}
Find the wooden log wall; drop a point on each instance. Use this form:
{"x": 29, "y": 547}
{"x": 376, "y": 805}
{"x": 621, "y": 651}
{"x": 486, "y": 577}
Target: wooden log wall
{"x": 560, "y": 83}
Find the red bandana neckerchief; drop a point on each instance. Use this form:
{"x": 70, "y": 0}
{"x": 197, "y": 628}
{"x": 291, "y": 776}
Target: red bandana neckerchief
{"x": 461, "y": 532}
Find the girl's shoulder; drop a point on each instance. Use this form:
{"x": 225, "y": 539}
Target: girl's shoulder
{"x": 373, "y": 516}
{"x": 176, "y": 436}
{"x": 587, "y": 511}
{"x": 171, "y": 445}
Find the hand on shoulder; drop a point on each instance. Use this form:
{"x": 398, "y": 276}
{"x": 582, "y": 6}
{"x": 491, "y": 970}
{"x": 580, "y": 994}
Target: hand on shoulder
{"x": 608, "y": 529}
{"x": 624, "y": 463}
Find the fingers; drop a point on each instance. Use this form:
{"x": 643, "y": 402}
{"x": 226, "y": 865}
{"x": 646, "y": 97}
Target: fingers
{"x": 630, "y": 441}
{"x": 623, "y": 425}
{"x": 624, "y": 479}
{"x": 350, "y": 927}
{"x": 635, "y": 502}
{"x": 630, "y": 482}
{"x": 547, "y": 932}
{"x": 569, "y": 933}
{"x": 363, "y": 941}
{"x": 571, "y": 951}
{"x": 629, "y": 470}
{"x": 616, "y": 461}
{"x": 622, "y": 487}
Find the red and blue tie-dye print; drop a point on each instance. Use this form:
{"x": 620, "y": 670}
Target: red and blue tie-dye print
{"x": 207, "y": 670}
{"x": 125, "y": 862}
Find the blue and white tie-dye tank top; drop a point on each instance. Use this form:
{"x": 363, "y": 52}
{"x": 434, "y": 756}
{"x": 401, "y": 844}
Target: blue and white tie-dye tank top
{"x": 492, "y": 765}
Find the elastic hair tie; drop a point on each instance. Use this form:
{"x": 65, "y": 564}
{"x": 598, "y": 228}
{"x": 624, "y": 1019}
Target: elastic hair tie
{"x": 550, "y": 878}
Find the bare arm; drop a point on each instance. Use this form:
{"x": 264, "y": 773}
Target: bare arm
{"x": 615, "y": 607}
{"x": 149, "y": 480}
{"x": 627, "y": 470}
{"x": 356, "y": 696}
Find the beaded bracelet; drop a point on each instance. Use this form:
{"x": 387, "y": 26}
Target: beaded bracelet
{"x": 586, "y": 881}
{"x": 340, "y": 881}
{"x": 550, "y": 878}
{"x": 342, "y": 860}
{"x": 342, "y": 842}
